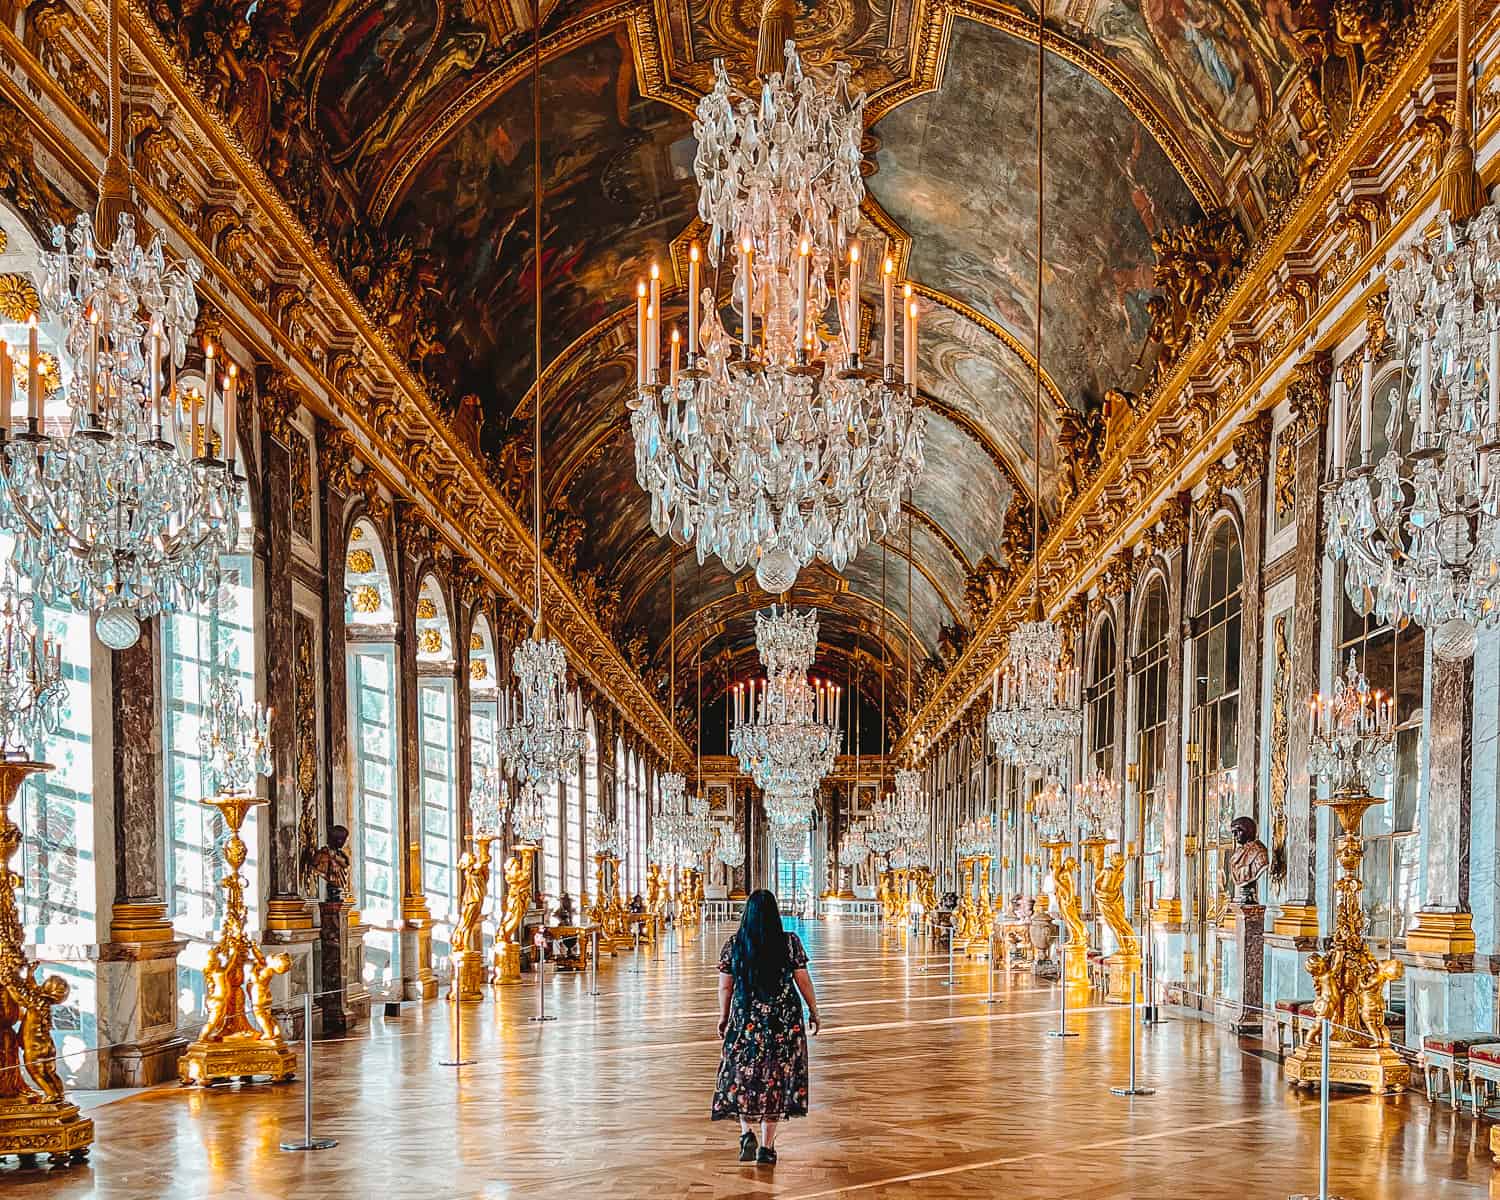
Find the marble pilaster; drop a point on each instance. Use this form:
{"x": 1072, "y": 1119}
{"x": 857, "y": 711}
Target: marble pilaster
{"x": 1247, "y": 765}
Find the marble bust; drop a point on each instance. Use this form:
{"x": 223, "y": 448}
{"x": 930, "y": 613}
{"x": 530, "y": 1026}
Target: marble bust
{"x": 1248, "y": 860}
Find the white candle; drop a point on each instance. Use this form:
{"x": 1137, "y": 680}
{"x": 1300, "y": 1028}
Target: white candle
{"x": 1366, "y": 406}
{"x": 640, "y": 334}
{"x": 1494, "y": 413}
{"x": 653, "y": 346}
{"x": 33, "y": 375}
{"x": 1424, "y": 388}
{"x": 888, "y": 318}
{"x": 97, "y": 397}
{"x": 693, "y": 300}
{"x": 7, "y": 387}
{"x": 155, "y": 397}
{"x": 803, "y": 252}
{"x": 747, "y": 258}
{"x": 1338, "y": 420}
{"x": 853, "y": 324}
{"x": 204, "y": 441}
{"x": 911, "y": 347}
{"x": 231, "y": 417}
{"x": 676, "y": 348}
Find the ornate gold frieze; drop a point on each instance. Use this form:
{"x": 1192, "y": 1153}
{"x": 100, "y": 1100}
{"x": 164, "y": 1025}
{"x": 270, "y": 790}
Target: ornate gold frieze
{"x": 305, "y": 732}
{"x": 1281, "y": 702}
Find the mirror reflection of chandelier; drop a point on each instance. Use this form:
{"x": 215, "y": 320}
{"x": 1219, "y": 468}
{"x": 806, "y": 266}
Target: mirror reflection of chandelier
{"x": 1099, "y": 809}
{"x": 906, "y": 812}
{"x": 32, "y": 691}
{"x": 731, "y": 847}
{"x": 1353, "y": 746}
{"x": 1419, "y": 531}
{"x": 776, "y": 444}
{"x": 975, "y": 837}
{"x": 487, "y": 799}
{"x": 786, "y": 729}
{"x": 854, "y": 850}
{"x": 1053, "y": 810}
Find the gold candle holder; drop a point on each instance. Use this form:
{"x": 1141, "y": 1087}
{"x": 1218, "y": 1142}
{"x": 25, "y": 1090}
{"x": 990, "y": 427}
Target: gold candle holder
{"x": 235, "y": 1043}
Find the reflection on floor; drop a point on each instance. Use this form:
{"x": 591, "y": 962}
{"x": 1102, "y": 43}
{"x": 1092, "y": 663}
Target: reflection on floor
{"x": 918, "y": 1090}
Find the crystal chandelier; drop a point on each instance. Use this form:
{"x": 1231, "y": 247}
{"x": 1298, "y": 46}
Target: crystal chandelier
{"x": 1098, "y": 800}
{"x": 487, "y": 800}
{"x": 540, "y": 737}
{"x": 906, "y": 813}
{"x": 881, "y": 837}
{"x": 669, "y": 822}
{"x": 609, "y": 837}
{"x": 918, "y": 856}
{"x": 1053, "y": 811}
{"x": 791, "y": 840}
{"x": 32, "y": 691}
{"x": 234, "y": 739}
{"x": 1353, "y": 746}
{"x": 699, "y": 832}
{"x": 786, "y": 730}
{"x": 731, "y": 847}
{"x": 125, "y": 514}
{"x": 1419, "y": 531}
{"x": 778, "y": 445}
{"x": 854, "y": 851}
{"x": 975, "y": 837}
{"x": 1035, "y": 718}
{"x": 528, "y": 816}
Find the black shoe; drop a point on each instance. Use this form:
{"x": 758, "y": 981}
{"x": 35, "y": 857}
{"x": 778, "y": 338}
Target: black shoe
{"x": 747, "y": 1147}
{"x": 766, "y": 1156}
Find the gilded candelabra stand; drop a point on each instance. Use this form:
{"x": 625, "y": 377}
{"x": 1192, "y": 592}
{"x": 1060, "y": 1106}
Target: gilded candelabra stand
{"x": 469, "y": 968}
{"x": 966, "y": 930}
{"x": 235, "y": 1043}
{"x": 36, "y": 1117}
{"x": 518, "y": 877}
{"x": 690, "y": 896}
{"x": 985, "y": 913}
{"x": 1069, "y": 907}
{"x": 1124, "y": 965}
{"x": 1349, "y": 982}
{"x": 608, "y": 909}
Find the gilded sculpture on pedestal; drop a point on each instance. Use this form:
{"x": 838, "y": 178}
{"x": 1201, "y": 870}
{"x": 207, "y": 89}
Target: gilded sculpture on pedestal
{"x": 517, "y": 871}
{"x": 232, "y": 1045}
{"x": 468, "y": 931}
{"x": 655, "y": 890}
{"x": 1070, "y": 909}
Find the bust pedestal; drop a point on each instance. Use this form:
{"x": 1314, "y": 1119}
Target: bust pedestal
{"x": 341, "y": 957}
{"x": 1246, "y": 1010}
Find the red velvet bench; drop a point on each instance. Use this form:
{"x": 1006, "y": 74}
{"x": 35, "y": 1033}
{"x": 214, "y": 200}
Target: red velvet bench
{"x": 1445, "y": 1056}
{"x": 1484, "y": 1071}
{"x": 1293, "y": 1019}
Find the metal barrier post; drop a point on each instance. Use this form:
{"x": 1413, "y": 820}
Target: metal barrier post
{"x": 1322, "y": 1124}
{"x": 594, "y": 962}
{"x": 1062, "y": 1030}
{"x": 541, "y": 980}
{"x": 1132, "y": 1089}
{"x": 308, "y": 1142}
{"x": 458, "y": 1059}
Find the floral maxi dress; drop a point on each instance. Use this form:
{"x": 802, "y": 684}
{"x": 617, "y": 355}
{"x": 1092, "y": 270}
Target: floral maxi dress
{"x": 763, "y": 1076}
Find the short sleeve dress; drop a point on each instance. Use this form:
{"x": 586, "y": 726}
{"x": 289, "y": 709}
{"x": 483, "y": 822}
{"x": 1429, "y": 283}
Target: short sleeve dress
{"x": 763, "y": 1076}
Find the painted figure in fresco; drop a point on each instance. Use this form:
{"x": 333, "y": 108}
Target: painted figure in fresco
{"x": 1248, "y": 861}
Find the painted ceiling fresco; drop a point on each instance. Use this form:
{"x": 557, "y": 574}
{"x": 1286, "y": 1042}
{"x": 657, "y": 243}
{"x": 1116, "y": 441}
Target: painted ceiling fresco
{"x": 957, "y": 171}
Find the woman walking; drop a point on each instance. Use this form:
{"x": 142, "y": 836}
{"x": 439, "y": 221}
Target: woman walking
{"x": 763, "y": 1076}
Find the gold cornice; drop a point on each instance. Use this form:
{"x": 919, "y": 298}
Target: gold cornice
{"x": 968, "y": 677}
{"x": 593, "y": 654}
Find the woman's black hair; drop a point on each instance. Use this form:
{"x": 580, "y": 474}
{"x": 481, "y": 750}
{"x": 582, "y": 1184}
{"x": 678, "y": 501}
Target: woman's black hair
{"x": 759, "y": 956}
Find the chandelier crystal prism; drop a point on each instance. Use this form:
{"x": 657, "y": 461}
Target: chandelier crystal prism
{"x": 234, "y": 738}
{"x": 778, "y": 445}
{"x": 32, "y": 691}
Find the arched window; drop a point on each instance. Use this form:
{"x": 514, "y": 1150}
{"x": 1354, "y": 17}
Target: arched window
{"x": 483, "y": 699}
{"x": 216, "y": 634}
{"x": 573, "y": 821}
{"x": 1149, "y": 671}
{"x": 1213, "y": 738}
{"x": 438, "y": 741}
{"x": 1100, "y": 698}
{"x": 374, "y": 740}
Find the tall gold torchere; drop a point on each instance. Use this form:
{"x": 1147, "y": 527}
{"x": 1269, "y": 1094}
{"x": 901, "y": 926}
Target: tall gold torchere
{"x": 966, "y": 917}
{"x": 608, "y": 909}
{"x": 986, "y": 903}
{"x": 518, "y": 876}
{"x": 1349, "y": 981}
{"x": 1124, "y": 965}
{"x": 1065, "y": 881}
{"x": 36, "y": 1117}
{"x": 468, "y": 932}
{"x": 656, "y": 891}
{"x": 234, "y": 1043}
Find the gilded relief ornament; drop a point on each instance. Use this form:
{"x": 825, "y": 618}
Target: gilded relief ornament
{"x": 1280, "y": 775}
{"x": 1195, "y": 265}
{"x": 18, "y": 298}
{"x": 426, "y": 608}
{"x": 304, "y": 685}
{"x": 360, "y": 560}
{"x": 1286, "y": 476}
{"x": 366, "y": 598}
{"x": 430, "y": 641}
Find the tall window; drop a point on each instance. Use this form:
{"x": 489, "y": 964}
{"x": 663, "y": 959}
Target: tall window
{"x": 1149, "y": 667}
{"x": 193, "y": 643}
{"x": 572, "y": 826}
{"x": 1214, "y": 738}
{"x": 552, "y": 868}
{"x": 1100, "y": 698}
{"x": 590, "y": 796}
{"x": 439, "y": 794}
{"x": 372, "y": 697}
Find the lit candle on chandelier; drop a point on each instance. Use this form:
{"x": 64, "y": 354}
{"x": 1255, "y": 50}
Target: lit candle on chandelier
{"x": 155, "y": 364}
{"x": 888, "y": 316}
{"x": 654, "y": 326}
{"x": 231, "y": 414}
{"x": 96, "y": 385}
{"x": 7, "y": 389}
{"x": 640, "y": 334}
{"x": 1338, "y": 418}
{"x": 1366, "y": 405}
{"x": 201, "y": 441}
{"x": 803, "y": 252}
{"x": 676, "y": 349}
{"x": 747, "y": 257}
{"x": 692, "y": 340}
{"x": 1424, "y": 384}
{"x": 1494, "y": 381}
{"x": 911, "y": 346}
{"x": 33, "y": 375}
{"x": 852, "y": 324}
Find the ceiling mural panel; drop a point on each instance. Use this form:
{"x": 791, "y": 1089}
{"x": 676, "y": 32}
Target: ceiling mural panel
{"x": 957, "y": 169}
{"x": 962, "y": 490}
{"x": 618, "y": 187}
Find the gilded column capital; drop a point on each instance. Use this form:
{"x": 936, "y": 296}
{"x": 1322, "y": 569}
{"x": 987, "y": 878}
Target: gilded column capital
{"x": 278, "y": 399}
{"x": 1252, "y": 449}
{"x": 1308, "y": 395}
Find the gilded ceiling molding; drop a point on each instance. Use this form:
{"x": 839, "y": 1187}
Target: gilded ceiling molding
{"x": 942, "y": 535}
{"x": 982, "y": 437}
{"x": 1187, "y": 413}
{"x": 355, "y": 373}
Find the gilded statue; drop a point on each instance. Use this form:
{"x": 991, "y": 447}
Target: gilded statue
{"x": 926, "y": 890}
{"x": 1109, "y": 896}
{"x": 1065, "y": 880}
{"x": 655, "y": 892}
{"x": 1194, "y": 264}
{"x": 1248, "y": 861}
{"x": 38, "y": 1053}
{"x": 983, "y": 589}
{"x": 517, "y": 895}
{"x": 474, "y": 890}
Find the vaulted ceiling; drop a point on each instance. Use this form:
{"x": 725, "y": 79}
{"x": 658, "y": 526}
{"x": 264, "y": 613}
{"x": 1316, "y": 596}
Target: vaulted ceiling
{"x": 1157, "y": 111}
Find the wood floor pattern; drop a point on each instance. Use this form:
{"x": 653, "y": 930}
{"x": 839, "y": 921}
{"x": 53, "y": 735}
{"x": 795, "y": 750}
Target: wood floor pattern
{"x": 917, "y": 1090}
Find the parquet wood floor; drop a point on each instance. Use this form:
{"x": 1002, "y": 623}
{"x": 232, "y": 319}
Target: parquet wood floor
{"x": 916, "y": 1090}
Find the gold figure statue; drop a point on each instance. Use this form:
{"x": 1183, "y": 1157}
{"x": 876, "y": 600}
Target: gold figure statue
{"x": 1065, "y": 882}
{"x": 1124, "y": 965}
{"x": 926, "y": 889}
{"x": 655, "y": 890}
{"x": 231, "y": 1045}
{"x": 965, "y": 917}
{"x": 468, "y": 930}
{"x": 36, "y": 1117}
{"x": 1349, "y": 982}
{"x": 518, "y": 868}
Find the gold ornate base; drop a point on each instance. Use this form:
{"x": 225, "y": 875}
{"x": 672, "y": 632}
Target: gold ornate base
{"x": 1446, "y": 933}
{"x": 208, "y": 1063}
{"x": 507, "y": 963}
{"x": 1076, "y": 965}
{"x": 1167, "y": 912}
{"x": 1495, "y": 1143}
{"x": 1122, "y": 969}
{"x": 1378, "y": 1068}
{"x": 53, "y": 1128}
{"x": 469, "y": 975}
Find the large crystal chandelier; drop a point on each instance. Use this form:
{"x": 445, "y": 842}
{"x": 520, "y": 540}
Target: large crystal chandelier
{"x": 32, "y": 691}
{"x": 1053, "y": 810}
{"x": 1353, "y": 747}
{"x": 609, "y": 837}
{"x": 487, "y": 799}
{"x": 1419, "y": 530}
{"x": 234, "y": 738}
{"x": 699, "y": 832}
{"x": 777, "y": 445}
{"x": 907, "y": 813}
{"x": 1036, "y": 717}
{"x": 125, "y": 514}
{"x": 731, "y": 847}
{"x": 854, "y": 850}
{"x": 786, "y": 730}
{"x": 975, "y": 837}
{"x": 880, "y": 835}
{"x": 1098, "y": 800}
{"x": 540, "y": 737}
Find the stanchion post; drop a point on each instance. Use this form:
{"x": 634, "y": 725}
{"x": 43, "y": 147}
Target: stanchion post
{"x": 1062, "y": 1030}
{"x": 458, "y": 1059}
{"x": 308, "y": 1142}
{"x": 541, "y": 980}
{"x": 949, "y": 981}
{"x": 1327, "y": 1030}
{"x": 1133, "y": 1089}
{"x": 594, "y": 961}
{"x": 989, "y": 972}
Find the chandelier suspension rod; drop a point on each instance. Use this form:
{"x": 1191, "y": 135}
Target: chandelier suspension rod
{"x": 883, "y": 746}
{"x": 699, "y": 589}
{"x": 1459, "y": 192}
{"x": 536, "y": 333}
{"x": 671, "y": 638}
{"x": 911, "y": 620}
{"x": 1036, "y": 496}
{"x": 114, "y": 183}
